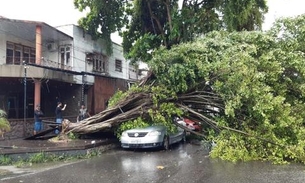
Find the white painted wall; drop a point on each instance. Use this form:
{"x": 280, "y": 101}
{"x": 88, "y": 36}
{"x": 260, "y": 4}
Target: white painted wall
{"x": 2, "y": 49}
{"x": 119, "y": 55}
{"x": 82, "y": 43}
{"x": 80, "y": 46}
{"x": 51, "y": 57}
{"x": 6, "y": 36}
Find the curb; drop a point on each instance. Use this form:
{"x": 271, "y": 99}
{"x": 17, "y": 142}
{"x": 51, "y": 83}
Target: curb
{"x": 26, "y": 152}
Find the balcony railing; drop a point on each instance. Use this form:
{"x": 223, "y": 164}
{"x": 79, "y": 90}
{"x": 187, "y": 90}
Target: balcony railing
{"x": 18, "y": 60}
{"x": 50, "y": 63}
{"x": 44, "y": 62}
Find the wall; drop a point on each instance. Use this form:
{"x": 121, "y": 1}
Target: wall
{"x": 18, "y": 126}
{"x": 83, "y": 43}
{"x": 2, "y": 49}
{"x": 104, "y": 88}
{"x": 4, "y": 37}
{"x": 118, "y": 55}
{"x": 55, "y": 85}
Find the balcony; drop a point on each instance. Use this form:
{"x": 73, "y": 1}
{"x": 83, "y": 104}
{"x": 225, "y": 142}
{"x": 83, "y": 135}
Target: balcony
{"x": 53, "y": 64}
{"x": 47, "y": 70}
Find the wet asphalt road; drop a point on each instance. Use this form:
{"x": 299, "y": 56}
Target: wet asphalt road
{"x": 184, "y": 163}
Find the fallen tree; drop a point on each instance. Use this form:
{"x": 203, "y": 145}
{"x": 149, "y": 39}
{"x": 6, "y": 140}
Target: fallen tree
{"x": 247, "y": 87}
{"x": 140, "y": 104}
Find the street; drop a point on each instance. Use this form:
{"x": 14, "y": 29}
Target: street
{"x": 183, "y": 163}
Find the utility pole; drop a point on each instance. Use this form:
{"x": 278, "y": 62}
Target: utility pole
{"x": 83, "y": 89}
{"x": 24, "y": 102}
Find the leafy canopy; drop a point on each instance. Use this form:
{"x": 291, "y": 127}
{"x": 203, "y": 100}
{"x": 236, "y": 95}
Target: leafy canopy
{"x": 145, "y": 25}
{"x": 260, "y": 78}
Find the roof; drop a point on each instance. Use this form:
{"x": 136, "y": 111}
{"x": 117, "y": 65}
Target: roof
{"x": 26, "y": 29}
{"x": 79, "y": 27}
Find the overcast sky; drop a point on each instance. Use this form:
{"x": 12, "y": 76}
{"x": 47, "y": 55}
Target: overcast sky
{"x": 61, "y": 12}
{"x": 283, "y": 8}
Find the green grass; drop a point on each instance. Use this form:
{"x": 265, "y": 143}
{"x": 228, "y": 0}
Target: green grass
{"x": 47, "y": 157}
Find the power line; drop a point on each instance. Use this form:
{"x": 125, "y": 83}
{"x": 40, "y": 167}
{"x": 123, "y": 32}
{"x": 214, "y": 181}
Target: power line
{"x": 71, "y": 72}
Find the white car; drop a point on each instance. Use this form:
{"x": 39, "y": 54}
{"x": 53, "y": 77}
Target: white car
{"x": 151, "y": 137}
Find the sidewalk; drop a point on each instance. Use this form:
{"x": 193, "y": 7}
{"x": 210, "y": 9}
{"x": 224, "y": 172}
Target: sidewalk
{"x": 21, "y": 146}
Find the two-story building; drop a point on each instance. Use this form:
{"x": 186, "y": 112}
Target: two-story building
{"x": 41, "y": 64}
{"x": 105, "y": 73}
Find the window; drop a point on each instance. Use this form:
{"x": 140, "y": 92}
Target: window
{"x": 9, "y": 53}
{"x": 26, "y": 54}
{"x": 118, "y": 65}
{"x": 33, "y": 55}
{"x": 17, "y": 53}
{"x": 62, "y": 57}
{"x": 65, "y": 56}
{"x": 99, "y": 62}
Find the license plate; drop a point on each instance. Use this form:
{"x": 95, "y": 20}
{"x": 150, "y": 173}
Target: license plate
{"x": 135, "y": 141}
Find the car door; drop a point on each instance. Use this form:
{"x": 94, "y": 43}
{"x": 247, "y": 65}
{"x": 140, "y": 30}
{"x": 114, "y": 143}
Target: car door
{"x": 178, "y": 136}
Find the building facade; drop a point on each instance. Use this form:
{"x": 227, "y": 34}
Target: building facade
{"x": 41, "y": 64}
{"x": 104, "y": 73}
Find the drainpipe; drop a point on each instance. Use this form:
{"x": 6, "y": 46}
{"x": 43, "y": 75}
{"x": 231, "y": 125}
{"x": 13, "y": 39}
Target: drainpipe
{"x": 37, "y": 94}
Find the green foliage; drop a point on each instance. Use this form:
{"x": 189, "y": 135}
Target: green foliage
{"x": 180, "y": 68}
{"x": 118, "y": 96}
{"x": 137, "y": 123}
{"x": 121, "y": 95}
{"x": 4, "y": 123}
{"x": 103, "y": 18}
{"x": 159, "y": 93}
{"x": 143, "y": 46}
{"x": 236, "y": 149}
{"x": 162, "y": 113}
{"x": 5, "y": 160}
{"x": 72, "y": 135}
{"x": 147, "y": 25}
{"x": 260, "y": 78}
{"x": 258, "y": 75}
{"x": 46, "y": 157}
{"x": 242, "y": 15}
{"x": 291, "y": 33}
{"x": 38, "y": 158}
{"x": 92, "y": 153}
